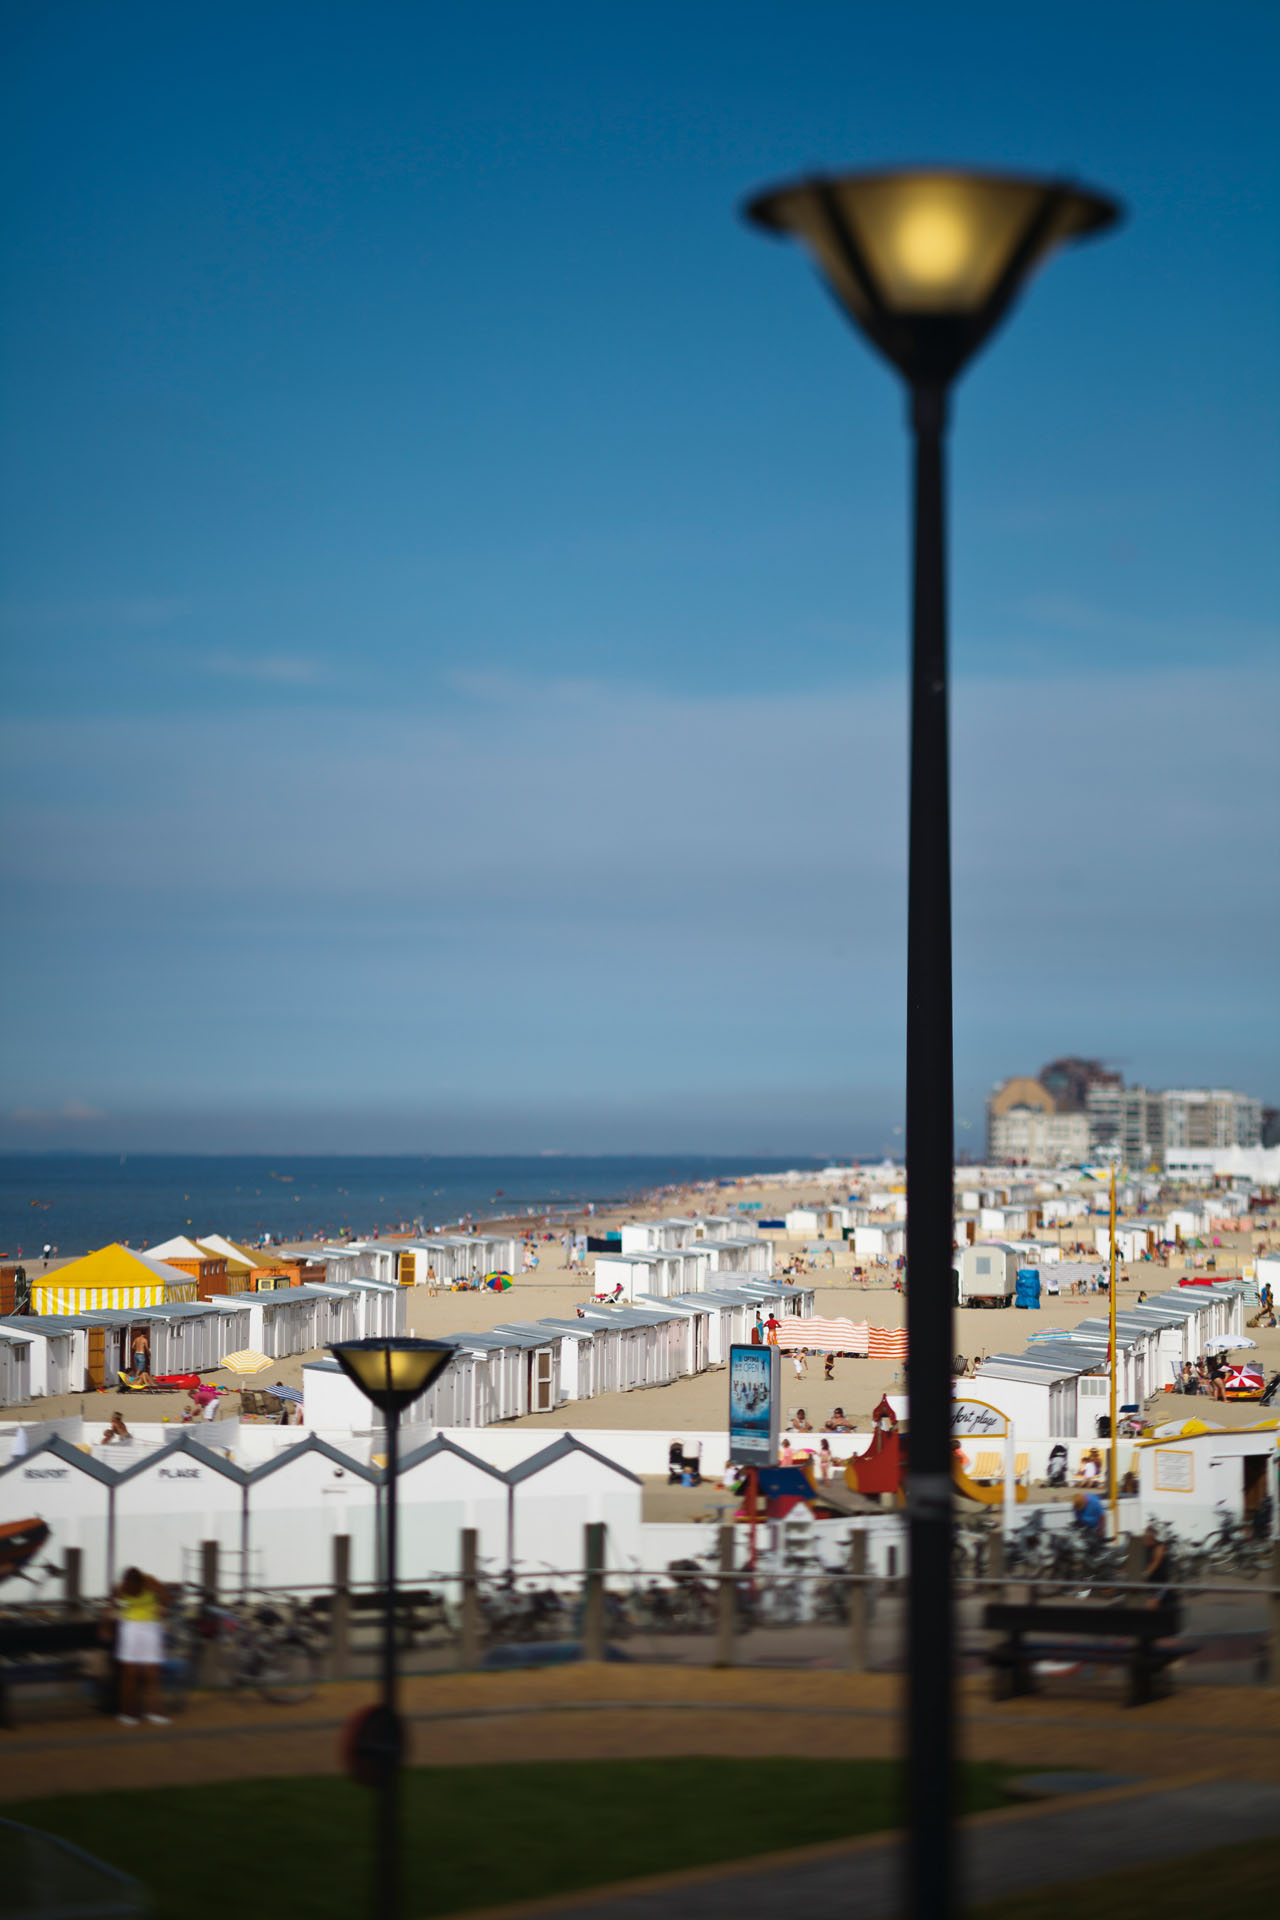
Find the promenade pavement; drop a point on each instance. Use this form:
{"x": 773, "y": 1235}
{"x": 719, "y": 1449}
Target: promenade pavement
{"x": 607, "y": 1712}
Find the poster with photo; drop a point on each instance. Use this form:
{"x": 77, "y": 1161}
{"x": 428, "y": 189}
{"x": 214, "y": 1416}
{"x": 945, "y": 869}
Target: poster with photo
{"x": 754, "y": 1405}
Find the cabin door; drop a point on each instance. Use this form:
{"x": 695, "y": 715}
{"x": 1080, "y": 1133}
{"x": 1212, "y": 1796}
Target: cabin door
{"x": 1255, "y": 1481}
{"x": 540, "y": 1380}
{"x": 95, "y": 1360}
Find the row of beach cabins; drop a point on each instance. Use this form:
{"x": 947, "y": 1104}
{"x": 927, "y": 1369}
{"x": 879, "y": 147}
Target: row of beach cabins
{"x": 1060, "y": 1385}
{"x": 534, "y": 1366}
{"x": 91, "y": 1315}
{"x": 76, "y": 1352}
{"x": 274, "y": 1513}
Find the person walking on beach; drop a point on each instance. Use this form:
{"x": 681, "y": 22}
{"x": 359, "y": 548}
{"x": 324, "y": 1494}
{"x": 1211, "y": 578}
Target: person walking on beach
{"x": 799, "y": 1362}
{"x": 140, "y": 1604}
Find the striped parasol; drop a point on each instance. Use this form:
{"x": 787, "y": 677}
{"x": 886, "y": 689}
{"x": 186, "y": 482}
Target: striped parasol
{"x": 246, "y": 1361}
{"x": 1243, "y": 1383}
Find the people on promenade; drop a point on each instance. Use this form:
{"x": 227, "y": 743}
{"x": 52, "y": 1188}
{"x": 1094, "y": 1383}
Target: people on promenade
{"x": 1090, "y": 1514}
{"x": 140, "y": 1604}
{"x": 1090, "y": 1468}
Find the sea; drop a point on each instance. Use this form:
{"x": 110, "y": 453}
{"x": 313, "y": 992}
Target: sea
{"x": 76, "y": 1202}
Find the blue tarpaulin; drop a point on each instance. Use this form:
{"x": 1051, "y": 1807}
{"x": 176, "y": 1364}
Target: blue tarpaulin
{"x": 1027, "y": 1293}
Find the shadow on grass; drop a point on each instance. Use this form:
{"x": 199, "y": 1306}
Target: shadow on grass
{"x": 475, "y": 1836}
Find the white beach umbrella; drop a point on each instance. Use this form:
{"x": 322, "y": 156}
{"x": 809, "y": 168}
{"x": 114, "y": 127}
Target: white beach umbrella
{"x": 1221, "y": 1343}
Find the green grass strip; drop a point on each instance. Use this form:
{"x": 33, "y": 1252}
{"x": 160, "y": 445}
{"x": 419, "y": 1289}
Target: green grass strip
{"x": 475, "y": 1835}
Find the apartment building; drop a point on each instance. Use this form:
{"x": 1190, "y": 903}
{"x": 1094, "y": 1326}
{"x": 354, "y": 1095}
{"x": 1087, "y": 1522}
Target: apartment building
{"x": 1211, "y": 1117}
{"x": 1036, "y": 1137}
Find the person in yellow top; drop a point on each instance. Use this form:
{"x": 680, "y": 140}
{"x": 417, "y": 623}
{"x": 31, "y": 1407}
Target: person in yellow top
{"x": 140, "y": 1604}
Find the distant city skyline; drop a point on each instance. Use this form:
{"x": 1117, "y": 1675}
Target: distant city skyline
{"x": 453, "y": 608}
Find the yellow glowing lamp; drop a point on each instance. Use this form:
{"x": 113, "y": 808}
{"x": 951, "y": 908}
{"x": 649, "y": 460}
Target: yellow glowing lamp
{"x": 928, "y": 261}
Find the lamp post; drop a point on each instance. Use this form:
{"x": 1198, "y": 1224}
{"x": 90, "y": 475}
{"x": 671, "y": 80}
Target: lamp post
{"x": 392, "y": 1373}
{"x": 927, "y": 263}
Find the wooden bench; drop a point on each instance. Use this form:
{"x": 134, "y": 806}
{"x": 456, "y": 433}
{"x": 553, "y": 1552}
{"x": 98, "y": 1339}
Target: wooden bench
{"x": 1141, "y": 1639}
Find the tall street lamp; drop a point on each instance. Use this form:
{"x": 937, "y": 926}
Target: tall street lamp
{"x": 393, "y": 1373}
{"x": 927, "y": 263}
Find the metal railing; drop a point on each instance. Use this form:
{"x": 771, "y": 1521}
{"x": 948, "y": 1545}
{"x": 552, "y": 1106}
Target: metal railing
{"x": 706, "y": 1609}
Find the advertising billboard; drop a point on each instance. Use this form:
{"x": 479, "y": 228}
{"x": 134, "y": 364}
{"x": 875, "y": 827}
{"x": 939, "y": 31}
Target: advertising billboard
{"x": 755, "y": 1401}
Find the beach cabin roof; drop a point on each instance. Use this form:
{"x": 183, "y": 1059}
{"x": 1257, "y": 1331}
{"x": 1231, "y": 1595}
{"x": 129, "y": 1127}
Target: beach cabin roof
{"x": 1042, "y": 1363}
{"x": 441, "y": 1445}
{"x": 230, "y": 1250}
{"x": 716, "y": 1297}
{"x": 48, "y": 1324}
{"x": 532, "y": 1333}
{"x": 63, "y": 1450}
{"x": 678, "y": 1307}
{"x": 528, "y": 1333}
{"x": 312, "y": 1444}
{"x": 185, "y": 1445}
{"x": 1096, "y": 1333}
{"x": 115, "y": 1266}
{"x": 559, "y": 1450}
{"x": 488, "y": 1342}
{"x": 180, "y": 1248}
{"x": 620, "y": 1316}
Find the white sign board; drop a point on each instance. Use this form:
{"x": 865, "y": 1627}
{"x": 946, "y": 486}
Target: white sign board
{"x": 1175, "y": 1470}
{"x": 974, "y": 1418}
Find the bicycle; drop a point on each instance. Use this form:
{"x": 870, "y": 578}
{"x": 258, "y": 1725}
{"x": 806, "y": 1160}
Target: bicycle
{"x": 262, "y": 1648}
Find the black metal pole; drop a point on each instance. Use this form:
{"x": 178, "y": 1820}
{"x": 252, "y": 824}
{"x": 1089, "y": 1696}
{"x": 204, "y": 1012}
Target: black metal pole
{"x": 386, "y": 1872}
{"x": 930, "y": 1199}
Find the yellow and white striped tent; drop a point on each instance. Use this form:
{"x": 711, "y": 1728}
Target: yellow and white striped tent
{"x": 113, "y": 1277}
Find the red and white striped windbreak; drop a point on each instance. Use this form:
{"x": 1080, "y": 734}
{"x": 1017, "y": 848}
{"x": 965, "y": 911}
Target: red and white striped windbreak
{"x": 843, "y": 1336}
{"x": 824, "y": 1336}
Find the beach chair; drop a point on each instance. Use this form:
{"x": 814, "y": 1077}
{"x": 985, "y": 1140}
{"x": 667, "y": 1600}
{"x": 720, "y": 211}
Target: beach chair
{"x": 1021, "y": 1464}
{"x": 987, "y": 1466}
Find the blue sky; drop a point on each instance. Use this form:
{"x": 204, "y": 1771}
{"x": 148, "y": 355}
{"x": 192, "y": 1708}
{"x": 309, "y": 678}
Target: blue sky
{"x": 454, "y": 575}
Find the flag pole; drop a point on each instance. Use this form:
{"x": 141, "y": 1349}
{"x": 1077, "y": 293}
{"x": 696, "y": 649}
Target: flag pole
{"x": 1112, "y": 1477}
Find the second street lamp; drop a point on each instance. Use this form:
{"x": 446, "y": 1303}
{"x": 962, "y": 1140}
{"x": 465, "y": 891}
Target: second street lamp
{"x": 392, "y": 1373}
{"x": 926, "y": 263}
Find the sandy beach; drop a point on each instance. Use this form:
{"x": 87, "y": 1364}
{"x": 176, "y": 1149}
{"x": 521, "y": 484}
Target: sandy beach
{"x": 699, "y": 1403}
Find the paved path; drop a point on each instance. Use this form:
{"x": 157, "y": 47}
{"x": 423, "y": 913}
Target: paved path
{"x": 606, "y": 1712}
{"x": 1002, "y": 1853}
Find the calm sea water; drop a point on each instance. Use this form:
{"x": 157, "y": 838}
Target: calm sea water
{"x": 79, "y": 1201}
